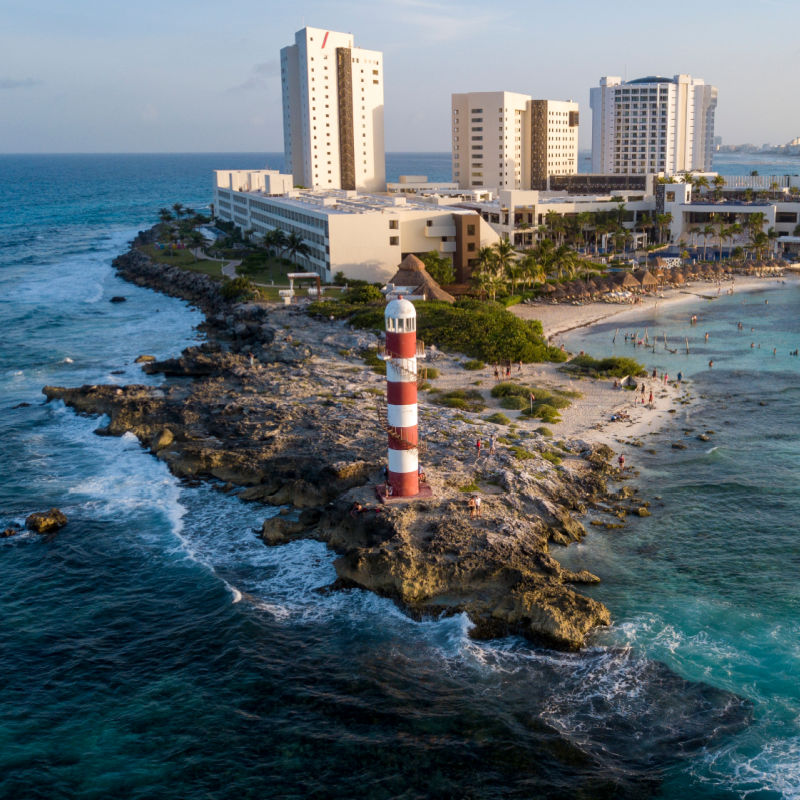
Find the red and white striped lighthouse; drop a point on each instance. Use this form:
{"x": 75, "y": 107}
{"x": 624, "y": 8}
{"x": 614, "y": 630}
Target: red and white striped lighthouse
{"x": 401, "y": 397}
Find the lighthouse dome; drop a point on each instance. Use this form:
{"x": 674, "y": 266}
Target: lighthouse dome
{"x": 400, "y": 309}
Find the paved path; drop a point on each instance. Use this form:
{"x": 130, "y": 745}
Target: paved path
{"x": 228, "y": 269}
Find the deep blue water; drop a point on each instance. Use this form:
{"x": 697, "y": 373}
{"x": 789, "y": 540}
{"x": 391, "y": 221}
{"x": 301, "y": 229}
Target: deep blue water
{"x": 129, "y": 669}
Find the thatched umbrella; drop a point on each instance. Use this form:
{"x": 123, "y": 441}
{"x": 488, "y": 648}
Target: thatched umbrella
{"x": 412, "y": 273}
{"x": 548, "y": 288}
{"x": 647, "y": 280}
{"x": 558, "y": 295}
{"x": 630, "y": 283}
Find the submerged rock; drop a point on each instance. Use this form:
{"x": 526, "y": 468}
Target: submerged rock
{"x": 46, "y": 521}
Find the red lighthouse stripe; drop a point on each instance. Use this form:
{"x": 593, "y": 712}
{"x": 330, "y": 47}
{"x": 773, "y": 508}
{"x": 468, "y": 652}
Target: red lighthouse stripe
{"x": 404, "y": 484}
{"x": 403, "y": 438}
{"x": 401, "y": 394}
{"x": 325, "y": 40}
{"x": 401, "y": 345}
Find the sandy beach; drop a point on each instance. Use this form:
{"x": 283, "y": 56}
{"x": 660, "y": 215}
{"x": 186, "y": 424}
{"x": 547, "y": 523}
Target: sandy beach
{"x": 595, "y": 415}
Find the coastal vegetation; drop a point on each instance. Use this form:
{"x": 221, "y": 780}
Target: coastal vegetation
{"x": 480, "y": 330}
{"x": 612, "y": 367}
{"x": 462, "y": 399}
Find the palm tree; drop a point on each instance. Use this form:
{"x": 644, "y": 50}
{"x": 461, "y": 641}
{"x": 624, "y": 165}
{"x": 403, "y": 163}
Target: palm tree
{"x": 708, "y": 232}
{"x": 532, "y": 269}
{"x": 164, "y": 214}
{"x": 296, "y": 246}
{"x": 663, "y": 221}
{"x": 718, "y": 182}
{"x": 276, "y": 238}
{"x": 178, "y": 209}
{"x": 772, "y": 235}
{"x": 700, "y": 183}
{"x": 504, "y": 255}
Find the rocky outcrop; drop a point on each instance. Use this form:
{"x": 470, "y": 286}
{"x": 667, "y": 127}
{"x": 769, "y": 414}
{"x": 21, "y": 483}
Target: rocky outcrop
{"x": 46, "y": 521}
{"x": 274, "y": 408}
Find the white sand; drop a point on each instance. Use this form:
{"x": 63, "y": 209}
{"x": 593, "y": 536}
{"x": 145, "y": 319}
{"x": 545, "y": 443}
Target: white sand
{"x": 589, "y": 416}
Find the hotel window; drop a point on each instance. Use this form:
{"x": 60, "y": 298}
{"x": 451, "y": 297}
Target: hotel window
{"x": 394, "y": 240}
{"x": 393, "y": 224}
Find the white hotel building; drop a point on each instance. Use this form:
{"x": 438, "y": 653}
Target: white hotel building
{"x": 506, "y": 140}
{"x": 652, "y": 125}
{"x": 333, "y": 112}
{"x": 363, "y": 236}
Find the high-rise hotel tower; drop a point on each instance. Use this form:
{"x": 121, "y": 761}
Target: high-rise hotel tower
{"x": 652, "y": 124}
{"x": 333, "y": 112}
{"x": 506, "y": 140}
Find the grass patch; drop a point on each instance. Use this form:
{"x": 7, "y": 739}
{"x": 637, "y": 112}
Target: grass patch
{"x": 552, "y": 457}
{"x": 473, "y": 364}
{"x": 612, "y": 367}
{"x": 498, "y": 418}
{"x": 463, "y": 399}
{"x": 544, "y": 411}
{"x": 544, "y": 431}
{"x": 370, "y": 358}
{"x": 545, "y": 405}
{"x": 469, "y": 487}
{"x": 184, "y": 259}
{"x": 431, "y": 373}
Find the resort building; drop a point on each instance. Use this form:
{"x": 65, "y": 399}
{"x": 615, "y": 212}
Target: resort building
{"x": 361, "y": 235}
{"x": 333, "y": 112}
{"x": 506, "y": 140}
{"x": 551, "y": 139}
{"x": 653, "y": 124}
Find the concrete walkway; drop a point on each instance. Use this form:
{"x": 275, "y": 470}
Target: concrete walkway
{"x": 228, "y": 268}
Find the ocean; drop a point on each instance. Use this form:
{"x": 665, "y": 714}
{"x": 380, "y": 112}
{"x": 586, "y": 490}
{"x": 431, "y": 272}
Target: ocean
{"x": 131, "y": 667}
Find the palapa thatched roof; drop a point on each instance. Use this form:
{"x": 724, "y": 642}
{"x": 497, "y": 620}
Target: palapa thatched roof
{"x": 629, "y": 281}
{"x": 412, "y": 272}
{"x": 646, "y": 279}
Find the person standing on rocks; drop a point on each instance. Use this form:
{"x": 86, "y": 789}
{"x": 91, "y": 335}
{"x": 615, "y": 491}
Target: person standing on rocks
{"x": 478, "y": 445}
{"x": 471, "y": 507}
{"x": 621, "y": 462}
{"x": 492, "y": 443}
{"x": 477, "y": 500}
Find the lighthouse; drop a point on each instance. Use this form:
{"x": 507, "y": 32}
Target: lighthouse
{"x": 401, "y": 397}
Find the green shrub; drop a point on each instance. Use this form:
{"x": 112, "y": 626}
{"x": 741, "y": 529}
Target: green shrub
{"x": 431, "y": 373}
{"x": 522, "y": 454}
{"x": 612, "y": 367}
{"x": 553, "y": 458}
{"x": 469, "y": 487}
{"x": 514, "y": 402}
{"x": 239, "y": 289}
{"x": 360, "y": 295}
{"x": 463, "y": 399}
{"x": 498, "y": 418}
{"x": 473, "y": 364}
{"x": 546, "y": 413}
{"x": 544, "y": 431}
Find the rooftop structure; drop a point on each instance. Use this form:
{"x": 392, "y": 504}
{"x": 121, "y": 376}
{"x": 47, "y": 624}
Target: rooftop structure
{"x": 333, "y": 112}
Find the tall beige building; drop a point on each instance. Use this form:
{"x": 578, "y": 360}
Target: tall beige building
{"x": 553, "y": 140}
{"x": 333, "y": 112}
{"x": 506, "y": 140}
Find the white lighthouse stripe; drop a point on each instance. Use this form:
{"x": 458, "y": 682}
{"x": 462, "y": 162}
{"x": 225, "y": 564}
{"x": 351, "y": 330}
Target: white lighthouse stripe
{"x": 402, "y": 416}
{"x": 405, "y": 372}
{"x": 402, "y": 461}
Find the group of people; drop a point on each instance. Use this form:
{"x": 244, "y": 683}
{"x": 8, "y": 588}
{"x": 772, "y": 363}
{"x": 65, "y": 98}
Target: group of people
{"x": 481, "y": 447}
{"x": 505, "y": 371}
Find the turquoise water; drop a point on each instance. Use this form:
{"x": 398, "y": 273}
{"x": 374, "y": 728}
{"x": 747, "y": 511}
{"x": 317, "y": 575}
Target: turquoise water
{"x": 130, "y": 669}
{"x": 709, "y": 584}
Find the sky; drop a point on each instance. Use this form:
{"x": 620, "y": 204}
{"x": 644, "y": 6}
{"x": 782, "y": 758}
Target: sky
{"x": 202, "y": 76}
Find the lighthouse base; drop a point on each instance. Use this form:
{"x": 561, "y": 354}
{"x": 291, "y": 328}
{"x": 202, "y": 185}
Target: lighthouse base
{"x": 425, "y": 493}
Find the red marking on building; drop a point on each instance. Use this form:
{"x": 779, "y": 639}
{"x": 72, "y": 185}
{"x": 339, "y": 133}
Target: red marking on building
{"x": 327, "y": 33}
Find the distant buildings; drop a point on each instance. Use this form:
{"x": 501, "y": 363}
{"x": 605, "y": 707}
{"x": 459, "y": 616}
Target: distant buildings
{"x": 653, "y": 125}
{"x": 506, "y": 140}
{"x": 333, "y": 112}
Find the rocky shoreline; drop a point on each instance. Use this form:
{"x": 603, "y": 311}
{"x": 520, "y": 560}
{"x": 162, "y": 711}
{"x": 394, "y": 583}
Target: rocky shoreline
{"x": 277, "y": 407}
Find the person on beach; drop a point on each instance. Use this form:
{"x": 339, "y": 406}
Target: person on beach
{"x": 478, "y": 445}
{"x": 492, "y": 443}
{"x": 706, "y": 336}
{"x": 651, "y": 397}
{"x": 711, "y": 363}
{"x": 519, "y": 366}
{"x": 421, "y": 473}
{"x": 477, "y": 505}
{"x": 621, "y": 462}
{"x": 471, "y": 507}
{"x": 680, "y": 378}
{"x": 774, "y": 351}
{"x": 496, "y": 373}
{"x": 508, "y": 371}
{"x": 655, "y": 373}
{"x": 252, "y": 361}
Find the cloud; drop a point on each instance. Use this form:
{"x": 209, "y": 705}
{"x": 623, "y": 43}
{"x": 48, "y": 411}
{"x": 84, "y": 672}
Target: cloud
{"x": 258, "y": 76}
{"x": 24, "y": 83}
{"x": 439, "y": 22}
